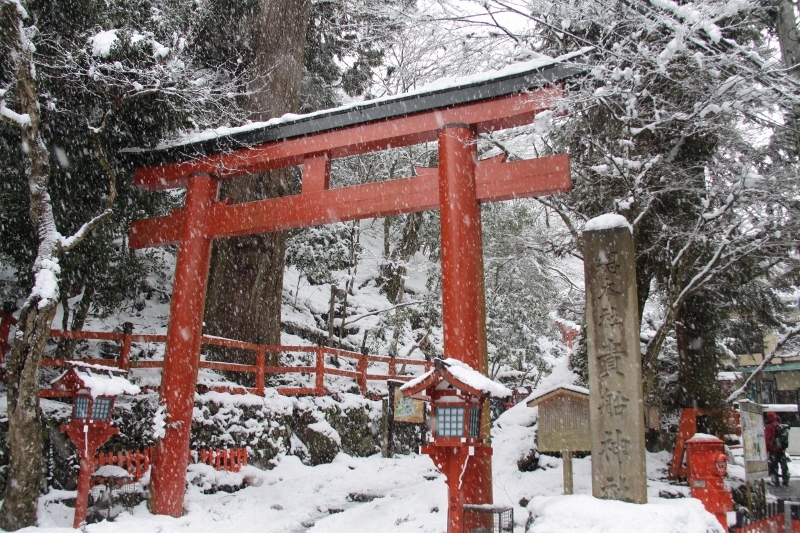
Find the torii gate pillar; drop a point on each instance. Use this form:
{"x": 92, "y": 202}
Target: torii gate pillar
{"x": 463, "y": 303}
{"x": 184, "y": 332}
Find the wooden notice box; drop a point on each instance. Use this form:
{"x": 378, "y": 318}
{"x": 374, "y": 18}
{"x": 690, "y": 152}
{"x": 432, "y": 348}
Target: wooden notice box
{"x": 563, "y": 424}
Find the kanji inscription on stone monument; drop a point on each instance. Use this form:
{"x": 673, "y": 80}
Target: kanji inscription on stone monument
{"x": 616, "y": 408}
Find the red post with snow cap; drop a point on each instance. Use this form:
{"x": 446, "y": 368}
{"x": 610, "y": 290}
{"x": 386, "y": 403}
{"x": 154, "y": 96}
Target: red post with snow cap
{"x": 707, "y": 466}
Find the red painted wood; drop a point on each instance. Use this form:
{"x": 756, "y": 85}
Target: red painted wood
{"x": 343, "y": 373}
{"x": 183, "y": 346}
{"x": 87, "y": 437}
{"x": 88, "y": 335}
{"x": 297, "y": 391}
{"x": 494, "y": 181}
{"x": 316, "y": 173}
{"x": 290, "y": 369}
{"x": 231, "y": 343}
{"x": 772, "y": 524}
{"x": 362, "y": 375}
{"x": 260, "y": 363}
{"x": 320, "y": 370}
{"x": 125, "y": 353}
{"x": 505, "y": 112}
{"x": 463, "y": 312}
{"x": 234, "y": 367}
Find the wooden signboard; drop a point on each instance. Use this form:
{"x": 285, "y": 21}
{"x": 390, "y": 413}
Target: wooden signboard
{"x": 408, "y": 410}
{"x": 754, "y": 443}
{"x": 563, "y": 425}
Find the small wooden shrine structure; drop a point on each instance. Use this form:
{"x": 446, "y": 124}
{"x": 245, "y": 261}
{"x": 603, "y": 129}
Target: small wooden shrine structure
{"x": 563, "y": 424}
{"x": 94, "y": 389}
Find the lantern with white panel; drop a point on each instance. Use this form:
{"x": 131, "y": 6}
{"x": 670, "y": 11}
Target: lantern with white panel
{"x": 460, "y": 401}
{"x": 94, "y": 389}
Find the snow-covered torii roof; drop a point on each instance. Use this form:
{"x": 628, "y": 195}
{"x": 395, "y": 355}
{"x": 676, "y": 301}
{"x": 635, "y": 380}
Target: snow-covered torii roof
{"x": 458, "y": 374}
{"x": 99, "y": 380}
{"x": 440, "y": 94}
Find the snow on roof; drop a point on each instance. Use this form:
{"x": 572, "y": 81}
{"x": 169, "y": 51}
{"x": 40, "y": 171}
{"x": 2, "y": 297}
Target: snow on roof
{"x": 728, "y": 376}
{"x": 100, "y": 380}
{"x": 440, "y": 84}
{"x": 540, "y": 393}
{"x": 703, "y": 436}
{"x": 467, "y": 375}
{"x": 106, "y": 385}
{"x": 780, "y": 407}
{"x": 101, "y": 368}
{"x": 111, "y": 471}
{"x": 607, "y": 221}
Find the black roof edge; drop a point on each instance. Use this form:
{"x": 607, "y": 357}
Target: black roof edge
{"x": 369, "y": 111}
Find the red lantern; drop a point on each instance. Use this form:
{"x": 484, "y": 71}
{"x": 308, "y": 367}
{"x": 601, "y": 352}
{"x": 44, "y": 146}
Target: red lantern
{"x": 459, "y": 398}
{"x": 94, "y": 389}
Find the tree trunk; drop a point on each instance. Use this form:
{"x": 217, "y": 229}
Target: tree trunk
{"x": 394, "y": 270}
{"x": 246, "y": 278}
{"x": 66, "y": 347}
{"x": 33, "y": 329}
{"x": 24, "y": 431}
{"x": 786, "y": 26}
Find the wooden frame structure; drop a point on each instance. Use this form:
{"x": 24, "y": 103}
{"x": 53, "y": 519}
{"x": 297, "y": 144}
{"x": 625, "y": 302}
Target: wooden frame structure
{"x": 453, "y": 116}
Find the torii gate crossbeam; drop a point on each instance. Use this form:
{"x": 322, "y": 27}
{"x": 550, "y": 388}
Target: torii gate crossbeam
{"x": 457, "y": 188}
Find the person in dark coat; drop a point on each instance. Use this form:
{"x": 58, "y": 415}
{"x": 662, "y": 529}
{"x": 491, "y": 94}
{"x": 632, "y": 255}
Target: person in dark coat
{"x": 775, "y": 454}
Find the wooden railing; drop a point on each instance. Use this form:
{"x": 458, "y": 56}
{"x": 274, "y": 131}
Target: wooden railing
{"x": 137, "y": 463}
{"x": 771, "y": 518}
{"x": 227, "y": 459}
{"x": 260, "y": 369}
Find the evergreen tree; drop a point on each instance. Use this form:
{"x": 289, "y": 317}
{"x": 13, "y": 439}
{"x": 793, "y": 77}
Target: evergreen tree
{"x": 80, "y": 80}
{"x": 662, "y": 131}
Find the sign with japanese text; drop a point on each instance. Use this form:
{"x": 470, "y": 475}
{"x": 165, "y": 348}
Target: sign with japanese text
{"x": 753, "y": 441}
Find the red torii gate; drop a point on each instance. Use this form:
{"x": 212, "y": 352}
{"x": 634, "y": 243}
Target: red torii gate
{"x": 452, "y": 116}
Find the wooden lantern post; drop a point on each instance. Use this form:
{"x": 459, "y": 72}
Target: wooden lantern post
{"x": 459, "y": 398}
{"x": 94, "y": 390}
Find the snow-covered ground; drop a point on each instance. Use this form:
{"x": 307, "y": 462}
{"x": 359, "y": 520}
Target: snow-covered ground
{"x": 377, "y": 494}
{"x": 408, "y": 494}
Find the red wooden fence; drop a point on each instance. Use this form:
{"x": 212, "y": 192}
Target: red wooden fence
{"x": 772, "y": 524}
{"x": 137, "y": 463}
{"x": 228, "y": 459}
{"x": 260, "y": 368}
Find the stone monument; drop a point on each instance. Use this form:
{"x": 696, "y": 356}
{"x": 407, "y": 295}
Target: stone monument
{"x": 616, "y": 407}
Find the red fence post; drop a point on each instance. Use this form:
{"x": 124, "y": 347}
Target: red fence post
{"x": 260, "y": 360}
{"x": 362, "y": 374}
{"x": 125, "y": 352}
{"x": 320, "y": 388}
